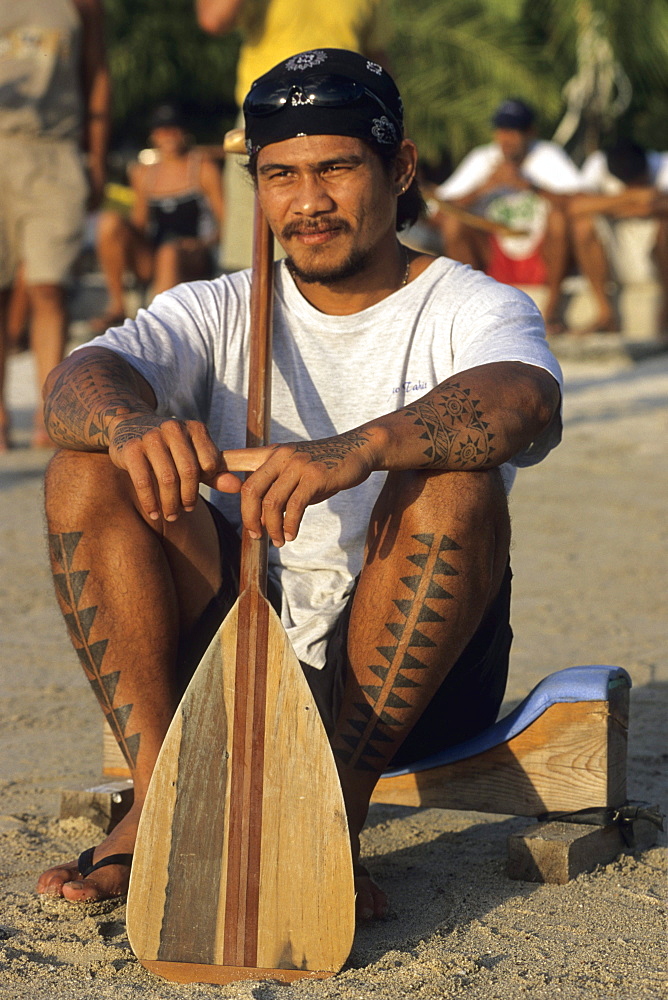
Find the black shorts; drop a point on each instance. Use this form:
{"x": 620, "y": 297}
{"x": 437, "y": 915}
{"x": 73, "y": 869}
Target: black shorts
{"x": 466, "y": 703}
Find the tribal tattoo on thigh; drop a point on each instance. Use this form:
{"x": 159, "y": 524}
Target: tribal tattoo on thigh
{"x": 453, "y": 428}
{"x": 384, "y": 707}
{"x": 79, "y": 620}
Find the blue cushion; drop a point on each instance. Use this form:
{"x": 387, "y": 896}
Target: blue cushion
{"x": 572, "y": 684}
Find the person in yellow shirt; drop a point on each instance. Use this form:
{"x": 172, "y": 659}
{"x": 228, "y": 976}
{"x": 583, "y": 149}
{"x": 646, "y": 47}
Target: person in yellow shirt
{"x": 273, "y": 30}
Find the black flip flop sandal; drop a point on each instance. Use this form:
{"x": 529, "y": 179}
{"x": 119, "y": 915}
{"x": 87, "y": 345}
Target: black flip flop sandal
{"x": 86, "y": 866}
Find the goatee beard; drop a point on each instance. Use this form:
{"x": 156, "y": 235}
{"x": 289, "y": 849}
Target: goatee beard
{"x": 328, "y": 275}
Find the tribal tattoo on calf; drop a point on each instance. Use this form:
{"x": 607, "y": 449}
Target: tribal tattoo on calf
{"x": 457, "y": 436}
{"x": 383, "y": 708}
{"x": 79, "y": 620}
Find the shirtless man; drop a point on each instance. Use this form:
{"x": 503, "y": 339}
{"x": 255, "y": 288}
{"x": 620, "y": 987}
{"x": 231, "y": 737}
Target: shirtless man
{"x": 406, "y": 388}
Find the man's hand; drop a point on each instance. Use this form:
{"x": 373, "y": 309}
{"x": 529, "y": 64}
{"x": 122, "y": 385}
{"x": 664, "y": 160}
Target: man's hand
{"x": 285, "y": 479}
{"x": 166, "y": 460}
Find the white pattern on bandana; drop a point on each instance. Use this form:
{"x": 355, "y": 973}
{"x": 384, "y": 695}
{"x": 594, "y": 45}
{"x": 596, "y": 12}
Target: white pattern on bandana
{"x": 305, "y": 60}
{"x": 374, "y": 68}
{"x": 383, "y": 130}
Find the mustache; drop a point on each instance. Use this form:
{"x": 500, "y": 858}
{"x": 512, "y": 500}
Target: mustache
{"x": 305, "y": 228}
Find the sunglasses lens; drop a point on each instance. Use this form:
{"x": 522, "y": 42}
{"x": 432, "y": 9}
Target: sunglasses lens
{"x": 322, "y": 92}
{"x": 266, "y": 99}
{"x": 333, "y": 92}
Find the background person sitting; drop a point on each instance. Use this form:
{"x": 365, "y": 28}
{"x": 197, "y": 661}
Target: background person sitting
{"x": 620, "y": 223}
{"x": 525, "y": 183}
{"x": 172, "y": 229}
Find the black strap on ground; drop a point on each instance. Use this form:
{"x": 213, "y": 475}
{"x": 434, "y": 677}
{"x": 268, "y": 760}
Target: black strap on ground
{"x": 622, "y": 816}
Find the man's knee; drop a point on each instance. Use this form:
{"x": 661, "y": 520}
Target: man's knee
{"x": 470, "y": 504}
{"x": 470, "y": 508}
{"x": 557, "y": 224}
{"x": 583, "y": 229}
{"x": 83, "y": 483}
{"x": 435, "y": 491}
{"x": 111, "y": 226}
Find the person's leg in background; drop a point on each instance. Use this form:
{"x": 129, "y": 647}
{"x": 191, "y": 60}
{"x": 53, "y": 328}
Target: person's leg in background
{"x": 555, "y": 253}
{"x": 4, "y": 414}
{"x": 52, "y": 191}
{"x": 593, "y": 264}
{"x": 120, "y": 248}
{"x": 463, "y": 243}
{"x": 660, "y": 257}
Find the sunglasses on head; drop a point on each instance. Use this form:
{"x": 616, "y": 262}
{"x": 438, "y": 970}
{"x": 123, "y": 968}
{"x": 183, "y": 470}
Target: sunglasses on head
{"x": 331, "y": 91}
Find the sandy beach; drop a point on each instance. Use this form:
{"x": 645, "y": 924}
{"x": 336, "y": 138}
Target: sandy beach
{"x": 589, "y": 556}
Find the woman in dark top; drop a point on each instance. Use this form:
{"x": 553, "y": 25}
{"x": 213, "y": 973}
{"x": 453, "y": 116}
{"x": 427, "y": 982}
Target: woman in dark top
{"x": 172, "y": 230}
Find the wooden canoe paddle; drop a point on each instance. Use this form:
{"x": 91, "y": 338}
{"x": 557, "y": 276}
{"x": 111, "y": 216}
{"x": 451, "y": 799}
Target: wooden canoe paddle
{"x": 474, "y": 221}
{"x": 242, "y": 867}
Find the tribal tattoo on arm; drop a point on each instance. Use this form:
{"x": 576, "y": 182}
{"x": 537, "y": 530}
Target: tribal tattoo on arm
{"x": 87, "y": 395}
{"x": 453, "y": 427}
{"x": 330, "y": 451}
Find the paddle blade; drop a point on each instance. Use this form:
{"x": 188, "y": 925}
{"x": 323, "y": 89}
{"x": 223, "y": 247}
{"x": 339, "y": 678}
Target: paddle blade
{"x": 242, "y": 864}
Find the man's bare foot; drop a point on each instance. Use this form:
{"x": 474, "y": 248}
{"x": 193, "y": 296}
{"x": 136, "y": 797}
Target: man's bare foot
{"x": 67, "y": 882}
{"x": 371, "y": 903}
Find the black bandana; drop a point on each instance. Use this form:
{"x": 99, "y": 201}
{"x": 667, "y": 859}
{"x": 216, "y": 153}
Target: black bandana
{"x": 324, "y": 92}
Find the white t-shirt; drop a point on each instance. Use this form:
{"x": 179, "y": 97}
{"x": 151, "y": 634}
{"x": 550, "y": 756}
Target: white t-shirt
{"x": 330, "y": 374}
{"x": 546, "y": 165}
{"x": 596, "y": 177}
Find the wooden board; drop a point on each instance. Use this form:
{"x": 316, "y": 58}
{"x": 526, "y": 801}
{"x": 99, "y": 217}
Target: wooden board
{"x": 572, "y": 757}
{"x": 242, "y": 868}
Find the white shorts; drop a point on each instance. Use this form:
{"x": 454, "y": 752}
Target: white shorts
{"x": 43, "y": 191}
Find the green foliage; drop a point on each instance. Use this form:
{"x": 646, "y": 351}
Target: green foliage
{"x": 158, "y": 53}
{"x": 454, "y": 60}
{"x": 638, "y": 33}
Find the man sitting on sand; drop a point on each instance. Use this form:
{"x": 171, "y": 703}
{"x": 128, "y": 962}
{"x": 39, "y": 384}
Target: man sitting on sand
{"x": 406, "y": 391}
{"x": 525, "y": 183}
{"x": 624, "y": 204}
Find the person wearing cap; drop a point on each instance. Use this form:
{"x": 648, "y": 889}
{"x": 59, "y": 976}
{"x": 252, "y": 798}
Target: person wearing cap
{"x": 525, "y": 183}
{"x": 173, "y": 225}
{"x": 406, "y": 391}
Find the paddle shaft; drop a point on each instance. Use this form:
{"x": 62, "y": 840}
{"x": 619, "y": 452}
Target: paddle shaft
{"x": 252, "y": 649}
{"x": 258, "y": 421}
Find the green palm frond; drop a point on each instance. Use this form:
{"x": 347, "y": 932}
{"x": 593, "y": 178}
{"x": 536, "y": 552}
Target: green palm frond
{"x": 455, "y": 62}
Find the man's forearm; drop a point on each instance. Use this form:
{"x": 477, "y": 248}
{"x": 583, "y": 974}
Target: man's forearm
{"x": 639, "y": 202}
{"x": 87, "y": 392}
{"x": 475, "y": 420}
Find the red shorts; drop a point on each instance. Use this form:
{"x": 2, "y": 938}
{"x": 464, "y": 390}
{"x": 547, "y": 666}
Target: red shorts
{"x": 529, "y": 270}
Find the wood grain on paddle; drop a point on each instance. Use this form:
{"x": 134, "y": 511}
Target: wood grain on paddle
{"x": 242, "y": 866}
